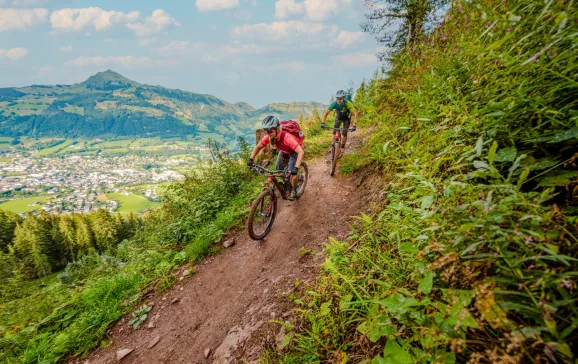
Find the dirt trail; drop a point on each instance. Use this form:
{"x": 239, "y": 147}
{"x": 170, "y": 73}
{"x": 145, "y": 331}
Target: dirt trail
{"x": 226, "y": 306}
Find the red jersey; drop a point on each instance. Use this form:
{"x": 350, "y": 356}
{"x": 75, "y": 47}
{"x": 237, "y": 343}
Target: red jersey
{"x": 285, "y": 142}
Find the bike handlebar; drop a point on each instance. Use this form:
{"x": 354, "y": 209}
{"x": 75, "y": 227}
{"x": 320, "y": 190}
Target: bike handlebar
{"x": 262, "y": 170}
{"x": 340, "y": 129}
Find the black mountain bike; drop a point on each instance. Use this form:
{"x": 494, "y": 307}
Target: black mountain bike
{"x": 335, "y": 149}
{"x": 264, "y": 207}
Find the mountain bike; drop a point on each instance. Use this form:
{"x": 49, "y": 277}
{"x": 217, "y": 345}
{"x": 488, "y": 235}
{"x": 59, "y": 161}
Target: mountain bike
{"x": 335, "y": 149}
{"x": 264, "y": 207}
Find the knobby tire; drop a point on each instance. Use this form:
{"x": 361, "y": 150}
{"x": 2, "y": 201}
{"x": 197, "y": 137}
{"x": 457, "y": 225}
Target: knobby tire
{"x": 334, "y": 157}
{"x": 255, "y": 207}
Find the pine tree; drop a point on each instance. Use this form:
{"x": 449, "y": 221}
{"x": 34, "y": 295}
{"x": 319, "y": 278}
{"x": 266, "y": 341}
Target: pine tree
{"x": 84, "y": 237}
{"x": 105, "y": 230}
{"x": 8, "y": 221}
{"x": 68, "y": 232}
{"x": 32, "y": 246}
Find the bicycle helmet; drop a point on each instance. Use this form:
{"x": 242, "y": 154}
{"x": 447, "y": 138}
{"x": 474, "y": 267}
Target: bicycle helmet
{"x": 270, "y": 122}
{"x": 340, "y": 94}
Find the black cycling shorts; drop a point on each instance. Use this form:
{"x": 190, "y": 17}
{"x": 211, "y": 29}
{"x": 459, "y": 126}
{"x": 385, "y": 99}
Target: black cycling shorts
{"x": 345, "y": 125}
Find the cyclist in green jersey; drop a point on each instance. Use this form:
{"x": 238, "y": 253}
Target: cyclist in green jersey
{"x": 343, "y": 111}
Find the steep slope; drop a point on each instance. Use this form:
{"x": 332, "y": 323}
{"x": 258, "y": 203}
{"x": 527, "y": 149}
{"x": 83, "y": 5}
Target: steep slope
{"x": 222, "y": 313}
{"x": 110, "y": 105}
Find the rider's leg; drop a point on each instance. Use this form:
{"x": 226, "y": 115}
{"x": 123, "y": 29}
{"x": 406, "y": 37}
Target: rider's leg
{"x": 344, "y": 134}
{"x": 294, "y": 178}
{"x": 280, "y": 160}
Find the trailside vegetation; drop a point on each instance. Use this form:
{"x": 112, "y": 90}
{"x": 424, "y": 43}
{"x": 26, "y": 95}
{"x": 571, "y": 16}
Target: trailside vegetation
{"x": 64, "y": 279}
{"x": 472, "y": 256}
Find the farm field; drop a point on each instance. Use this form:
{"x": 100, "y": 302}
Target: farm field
{"x": 131, "y": 203}
{"x": 23, "y": 205}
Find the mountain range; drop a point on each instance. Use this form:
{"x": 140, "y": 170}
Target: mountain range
{"x": 108, "y": 105}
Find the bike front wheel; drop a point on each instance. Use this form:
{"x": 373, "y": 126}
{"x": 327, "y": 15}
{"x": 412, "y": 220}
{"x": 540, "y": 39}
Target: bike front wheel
{"x": 334, "y": 155}
{"x": 302, "y": 181}
{"x": 262, "y": 215}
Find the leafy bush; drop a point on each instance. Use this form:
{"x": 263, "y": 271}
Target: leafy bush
{"x": 473, "y": 257}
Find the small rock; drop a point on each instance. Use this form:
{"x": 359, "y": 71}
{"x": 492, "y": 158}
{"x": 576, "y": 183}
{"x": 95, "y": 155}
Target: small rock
{"x": 207, "y": 352}
{"x": 186, "y": 272}
{"x": 262, "y": 280}
{"x": 181, "y": 288}
{"x": 175, "y": 300}
{"x": 154, "y": 342}
{"x": 122, "y": 353}
{"x": 229, "y": 243}
{"x": 273, "y": 314}
{"x": 151, "y": 325}
{"x": 266, "y": 290}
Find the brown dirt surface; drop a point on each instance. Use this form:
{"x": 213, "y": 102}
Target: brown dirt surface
{"x": 223, "y": 312}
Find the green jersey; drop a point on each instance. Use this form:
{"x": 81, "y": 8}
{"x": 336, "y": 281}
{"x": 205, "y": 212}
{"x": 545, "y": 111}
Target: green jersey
{"x": 343, "y": 111}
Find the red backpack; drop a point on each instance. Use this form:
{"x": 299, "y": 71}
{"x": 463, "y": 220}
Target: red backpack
{"x": 292, "y": 127}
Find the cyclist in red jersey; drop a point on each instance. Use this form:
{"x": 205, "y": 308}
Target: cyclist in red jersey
{"x": 288, "y": 146}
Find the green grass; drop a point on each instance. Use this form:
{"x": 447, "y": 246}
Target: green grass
{"x": 5, "y": 159}
{"x": 132, "y": 203}
{"x": 4, "y": 146}
{"x": 470, "y": 256}
{"x": 54, "y": 149}
{"x": 5, "y": 139}
{"x": 22, "y": 205}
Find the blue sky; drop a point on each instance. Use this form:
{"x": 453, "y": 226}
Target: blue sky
{"x": 257, "y": 51}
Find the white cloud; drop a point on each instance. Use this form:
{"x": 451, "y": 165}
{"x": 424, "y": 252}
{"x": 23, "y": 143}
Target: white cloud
{"x": 153, "y": 24}
{"x": 286, "y": 8}
{"x": 13, "y": 54}
{"x": 122, "y": 61}
{"x": 212, "y": 5}
{"x": 316, "y": 10}
{"x": 20, "y": 19}
{"x": 291, "y": 66}
{"x": 355, "y": 59}
{"x": 346, "y": 38}
{"x": 66, "y": 48}
{"x": 288, "y": 31}
{"x": 97, "y": 18}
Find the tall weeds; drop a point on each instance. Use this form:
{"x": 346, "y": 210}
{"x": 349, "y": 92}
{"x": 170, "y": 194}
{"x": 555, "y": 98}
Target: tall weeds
{"x": 473, "y": 257}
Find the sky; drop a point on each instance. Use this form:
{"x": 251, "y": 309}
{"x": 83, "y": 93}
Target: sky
{"x": 255, "y": 51}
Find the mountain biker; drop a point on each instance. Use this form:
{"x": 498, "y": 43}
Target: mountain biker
{"x": 343, "y": 110}
{"x": 288, "y": 146}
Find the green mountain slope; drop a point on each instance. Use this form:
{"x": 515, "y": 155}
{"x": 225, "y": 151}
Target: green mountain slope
{"x": 110, "y": 105}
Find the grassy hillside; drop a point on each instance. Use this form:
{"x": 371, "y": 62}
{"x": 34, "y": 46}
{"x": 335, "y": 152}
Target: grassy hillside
{"x": 108, "y": 105}
{"x": 471, "y": 256}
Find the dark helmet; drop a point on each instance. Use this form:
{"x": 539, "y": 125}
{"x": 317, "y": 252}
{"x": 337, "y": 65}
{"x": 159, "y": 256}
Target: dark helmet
{"x": 270, "y": 122}
{"x": 340, "y": 94}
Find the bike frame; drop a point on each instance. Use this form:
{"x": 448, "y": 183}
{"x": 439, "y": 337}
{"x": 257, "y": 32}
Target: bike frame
{"x": 273, "y": 179}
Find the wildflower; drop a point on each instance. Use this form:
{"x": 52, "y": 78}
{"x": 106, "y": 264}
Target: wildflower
{"x": 567, "y": 283}
{"x": 496, "y": 255}
{"x": 531, "y": 266}
{"x": 488, "y": 23}
{"x": 517, "y": 233}
{"x": 520, "y": 286}
{"x": 510, "y": 29}
{"x": 541, "y": 303}
{"x": 536, "y": 57}
{"x": 461, "y": 10}
{"x": 444, "y": 36}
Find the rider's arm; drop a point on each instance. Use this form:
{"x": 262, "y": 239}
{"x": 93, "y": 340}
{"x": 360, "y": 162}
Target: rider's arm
{"x": 256, "y": 150}
{"x": 300, "y": 154}
{"x": 353, "y": 111}
{"x": 324, "y": 117}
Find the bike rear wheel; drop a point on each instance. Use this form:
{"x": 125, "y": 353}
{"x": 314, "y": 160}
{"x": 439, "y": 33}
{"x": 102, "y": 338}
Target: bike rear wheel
{"x": 303, "y": 177}
{"x": 334, "y": 156}
{"x": 262, "y": 215}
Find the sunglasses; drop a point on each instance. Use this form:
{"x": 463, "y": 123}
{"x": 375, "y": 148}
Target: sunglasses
{"x": 269, "y": 131}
